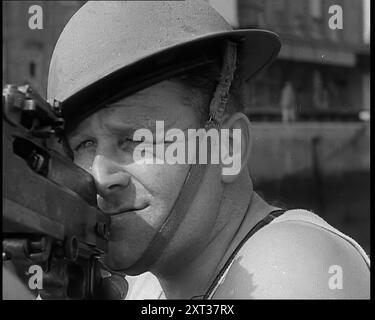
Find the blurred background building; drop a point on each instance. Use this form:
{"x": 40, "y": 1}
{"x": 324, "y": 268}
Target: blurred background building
{"x": 326, "y": 71}
{"x": 26, "y": 52}
{"x": 309, "y": 109}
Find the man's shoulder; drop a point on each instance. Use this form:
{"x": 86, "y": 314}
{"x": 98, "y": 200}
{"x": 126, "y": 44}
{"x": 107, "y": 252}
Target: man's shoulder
{"x": 296, "y": 260}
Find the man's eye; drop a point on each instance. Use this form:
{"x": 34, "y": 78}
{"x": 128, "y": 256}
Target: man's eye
{"x": 84, "y": 144}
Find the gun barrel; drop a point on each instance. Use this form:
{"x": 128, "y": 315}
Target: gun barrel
{"x": 50, "y": 215}
{"x": 50, "y": 196}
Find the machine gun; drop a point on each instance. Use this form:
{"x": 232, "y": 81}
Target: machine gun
{"x": 50, "y": 217}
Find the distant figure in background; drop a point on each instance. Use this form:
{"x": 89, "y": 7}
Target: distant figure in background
{"x": 288, "y": 103}
{"x": 320, "y": 94}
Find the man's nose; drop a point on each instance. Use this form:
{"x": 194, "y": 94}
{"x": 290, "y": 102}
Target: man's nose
{"x": 109, "y": 175}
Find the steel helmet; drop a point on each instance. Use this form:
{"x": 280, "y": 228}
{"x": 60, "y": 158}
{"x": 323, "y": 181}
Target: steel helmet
{"x": 109, "y": 47}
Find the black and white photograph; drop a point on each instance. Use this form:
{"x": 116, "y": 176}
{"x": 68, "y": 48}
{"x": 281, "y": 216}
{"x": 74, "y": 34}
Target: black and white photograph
{"x": 186, "y": 150}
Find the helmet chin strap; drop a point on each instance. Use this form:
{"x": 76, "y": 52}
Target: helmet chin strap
{"x": 196, "y": 172}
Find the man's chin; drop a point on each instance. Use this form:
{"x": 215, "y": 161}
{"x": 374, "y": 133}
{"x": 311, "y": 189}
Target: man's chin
{"x": 121, "y": 263}
{"x": 116, "y": 264}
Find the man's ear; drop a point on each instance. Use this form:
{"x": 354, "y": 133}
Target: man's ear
{"x": 235, "y": 156}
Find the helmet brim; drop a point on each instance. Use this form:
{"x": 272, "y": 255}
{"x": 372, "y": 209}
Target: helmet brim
{"x": 256, "y": 49}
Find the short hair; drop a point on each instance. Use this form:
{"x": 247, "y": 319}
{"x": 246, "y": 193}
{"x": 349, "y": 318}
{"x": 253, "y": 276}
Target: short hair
{"x": 202, "y": 82}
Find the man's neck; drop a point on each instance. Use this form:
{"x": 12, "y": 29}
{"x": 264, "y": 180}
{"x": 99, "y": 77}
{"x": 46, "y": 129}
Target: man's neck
{"x": 241, "y": 205}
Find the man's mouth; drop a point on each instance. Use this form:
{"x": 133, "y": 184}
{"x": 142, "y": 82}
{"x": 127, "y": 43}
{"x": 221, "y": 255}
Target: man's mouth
{"x": 127, "y": 210}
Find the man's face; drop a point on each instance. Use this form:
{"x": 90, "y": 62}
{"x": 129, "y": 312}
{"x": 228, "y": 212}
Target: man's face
{"x": 138, "y": 197}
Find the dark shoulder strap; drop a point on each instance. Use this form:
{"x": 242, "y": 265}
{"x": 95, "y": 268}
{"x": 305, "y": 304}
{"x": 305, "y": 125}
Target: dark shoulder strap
{"x": 272, "y": 215}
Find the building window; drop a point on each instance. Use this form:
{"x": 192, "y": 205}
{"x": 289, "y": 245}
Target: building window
{"x": 317, "y": 21}
{"x": 32, "y": 68}
{"x": 315, "y": 9}
{"x": 298, "y": 17}
{"x": 251, "y": 13}
{"x": 34, "y": 65}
